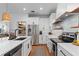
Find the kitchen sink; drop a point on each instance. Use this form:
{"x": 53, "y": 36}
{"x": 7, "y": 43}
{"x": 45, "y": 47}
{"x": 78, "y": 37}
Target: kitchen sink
{"x": 20, "y": 38}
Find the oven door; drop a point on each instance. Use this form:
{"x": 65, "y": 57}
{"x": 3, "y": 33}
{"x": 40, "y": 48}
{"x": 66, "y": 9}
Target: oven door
{"x": 54, "y": 48}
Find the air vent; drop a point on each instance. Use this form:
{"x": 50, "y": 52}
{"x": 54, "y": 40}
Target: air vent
{"x": 32, "y": 11}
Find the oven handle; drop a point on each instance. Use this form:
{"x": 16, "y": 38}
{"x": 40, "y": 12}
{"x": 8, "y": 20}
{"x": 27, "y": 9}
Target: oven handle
{"x": 62, "y": 52}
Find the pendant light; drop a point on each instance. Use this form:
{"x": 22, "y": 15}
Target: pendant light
{"x": 6, "y": 16}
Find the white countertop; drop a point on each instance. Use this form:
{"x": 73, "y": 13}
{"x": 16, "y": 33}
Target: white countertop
{"x": 72, "y": 49}
{"x": 52, "y": 36}
{"x": 7, "y": 45}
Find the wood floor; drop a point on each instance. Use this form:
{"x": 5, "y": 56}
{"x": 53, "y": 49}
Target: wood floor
{"x": 39, "y": 50}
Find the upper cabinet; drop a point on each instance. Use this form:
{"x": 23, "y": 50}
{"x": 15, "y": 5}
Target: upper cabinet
{"x": 63, "y": 8}
{"x": 72, "y": 6}
{"x": 52, "y": 17}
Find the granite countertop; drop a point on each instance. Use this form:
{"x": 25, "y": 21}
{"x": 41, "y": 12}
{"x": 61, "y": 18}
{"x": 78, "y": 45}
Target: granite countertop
{"x": 7, "y": 45}
{"x": 72, "y": 49}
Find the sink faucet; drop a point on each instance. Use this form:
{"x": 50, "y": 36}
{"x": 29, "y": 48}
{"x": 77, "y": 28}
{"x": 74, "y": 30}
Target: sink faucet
{"x": 16, "y": 31}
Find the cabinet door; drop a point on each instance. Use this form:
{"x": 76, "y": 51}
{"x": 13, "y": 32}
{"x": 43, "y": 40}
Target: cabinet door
{"x": 45, "y": 39}
{"x": 61, "y": 8}
{"x": 29, "y": 46}
{"x": 24, "y": 48}
{"x": 40, "y": 39}
{"x": 52, "y": 18}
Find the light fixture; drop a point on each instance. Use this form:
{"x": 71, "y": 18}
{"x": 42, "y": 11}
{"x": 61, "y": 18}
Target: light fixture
{"x": 6, "y": 16}
{"x": 66, "y": 15}
{"x": 24, "y": 9}
{"x": 41, "y": 8}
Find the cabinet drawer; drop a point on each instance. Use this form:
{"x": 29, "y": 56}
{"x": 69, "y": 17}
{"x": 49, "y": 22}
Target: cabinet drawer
{"x": 62, "y": 51}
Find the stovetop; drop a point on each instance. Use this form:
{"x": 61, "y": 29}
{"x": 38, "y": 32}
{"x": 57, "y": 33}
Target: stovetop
{"x": 56, "y": 40}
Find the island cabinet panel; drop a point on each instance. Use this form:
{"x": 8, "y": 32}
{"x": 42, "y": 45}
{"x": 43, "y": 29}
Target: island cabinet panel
{"x": 26, "y": 47}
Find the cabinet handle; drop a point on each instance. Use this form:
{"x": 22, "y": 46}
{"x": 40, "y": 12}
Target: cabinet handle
{"x": 62, "y": 52}
{"x": 28, "y": 45}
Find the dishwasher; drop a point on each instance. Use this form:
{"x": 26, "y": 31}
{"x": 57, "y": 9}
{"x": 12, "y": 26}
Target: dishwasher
{"x": 17, "y": 51}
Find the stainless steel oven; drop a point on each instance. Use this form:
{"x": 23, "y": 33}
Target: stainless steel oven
{"x": 54, "y": 47}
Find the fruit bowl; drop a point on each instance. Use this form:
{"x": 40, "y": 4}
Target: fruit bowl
{"x": 76, "y": 42}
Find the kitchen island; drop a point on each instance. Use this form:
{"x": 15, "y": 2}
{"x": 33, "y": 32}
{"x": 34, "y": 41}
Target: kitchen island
{"x": 8, "y": 45}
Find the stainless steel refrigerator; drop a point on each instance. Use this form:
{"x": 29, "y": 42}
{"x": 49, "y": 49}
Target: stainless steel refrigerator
{"x": 33, "y": 30}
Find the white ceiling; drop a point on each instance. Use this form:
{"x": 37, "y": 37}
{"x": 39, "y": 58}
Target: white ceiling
{"x": 18, "y": 8}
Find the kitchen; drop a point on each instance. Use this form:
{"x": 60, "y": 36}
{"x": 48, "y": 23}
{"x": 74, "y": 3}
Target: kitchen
{"x": 39, "y": 29}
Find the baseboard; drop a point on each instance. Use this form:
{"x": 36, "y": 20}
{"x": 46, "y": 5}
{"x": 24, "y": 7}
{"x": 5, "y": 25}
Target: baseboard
{"x": 39, "y": 44}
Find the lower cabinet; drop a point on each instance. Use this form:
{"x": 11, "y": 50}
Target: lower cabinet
{"x": 26, "y": 47}
{"x": 62, "y": 52}
{"x": 42, "y": 39}
{"x": 49, "y": 44}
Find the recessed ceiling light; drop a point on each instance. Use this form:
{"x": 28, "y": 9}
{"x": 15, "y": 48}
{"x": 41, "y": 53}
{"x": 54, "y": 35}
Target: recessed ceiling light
{"x": 66, "y": 15}
{"x": 24, "y": 9}
{"x": 41, "y": 8}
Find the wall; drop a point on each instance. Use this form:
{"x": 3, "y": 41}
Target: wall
{"x": 42, "y": 22}
{"x": 56, "y": 33}
{"x": 44, "y": 25}
{"x": 69, "y": 22}
{"x": 13, "y": 24}
{"x": 3, "y": 25}
{"x": 52, "y": 19}
{"x": 33, "y": 20}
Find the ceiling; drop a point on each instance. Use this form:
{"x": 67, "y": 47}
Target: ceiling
{"x": 39, "y": 8}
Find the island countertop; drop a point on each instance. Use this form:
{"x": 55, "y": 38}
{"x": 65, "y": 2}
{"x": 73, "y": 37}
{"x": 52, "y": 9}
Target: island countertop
{"x": 72, "y": 49}
{"x": 7, "y": 45}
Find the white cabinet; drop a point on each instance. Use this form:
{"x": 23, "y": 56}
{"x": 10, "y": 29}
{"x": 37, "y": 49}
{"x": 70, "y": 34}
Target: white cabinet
{"x": 61, "y": 9}
{"x": 49, "y": 45}
{"x": 65, "y": 7}
{"x": 32, "y": 20}
{"x": 62, "y": 52}
{"x": 52, "y": 18}
{"x": 26, "y": 47}
{"x": 40, "y": 39}
{"x": 43, "y": 39}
